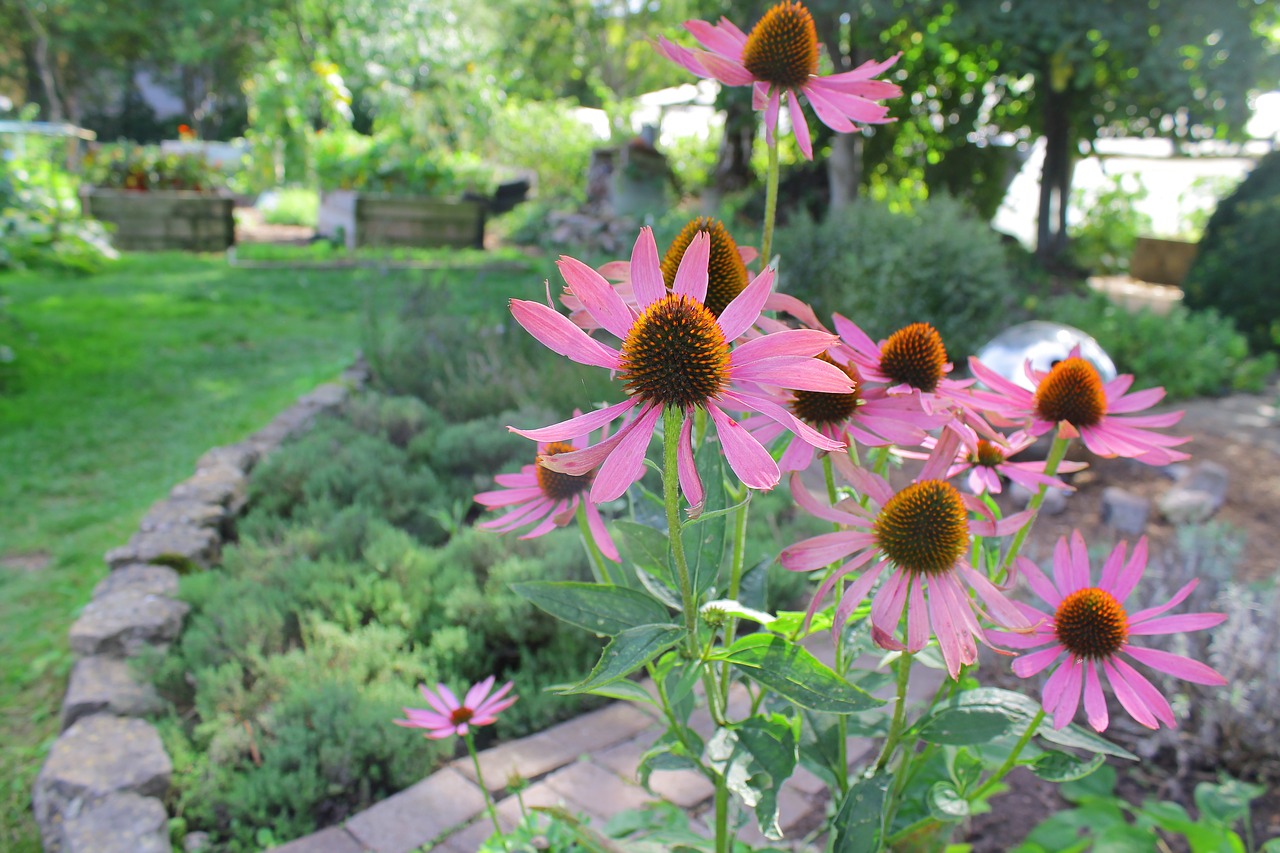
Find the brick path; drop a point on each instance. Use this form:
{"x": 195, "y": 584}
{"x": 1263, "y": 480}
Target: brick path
{"x": 587, "y": 765}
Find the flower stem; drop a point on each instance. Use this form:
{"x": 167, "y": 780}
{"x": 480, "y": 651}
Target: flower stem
{"x": 1012, "y": 759}
{"x": 723, "y": 842}
{"x": 671, "y": 420}
{"x": 1056, "y": 454}
{"x": 842, "y": 721}
{"x": 599, "y": 565}
{"x": 736, "y": 562}
{"x": 488, "y": 801}
{"x": 899, "y": 712}
{"x": 770, "y": 203}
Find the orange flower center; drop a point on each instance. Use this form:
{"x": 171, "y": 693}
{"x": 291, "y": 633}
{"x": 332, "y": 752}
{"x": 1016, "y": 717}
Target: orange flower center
{"x": 782, "y": 48}
{"x": 1072, "y": 392}
{"x": 675, "y": 354}
{"x": 726, "y": 273}
{"x": 924, "y": 528}
{"x": 1090, "y": 623}
{"x": 820, "y": 408}
{"x": 914, "y": 355}
{"x": 554, "y": 484}
{"x": 461, "y": 715}
{"x": 987, "y": 454}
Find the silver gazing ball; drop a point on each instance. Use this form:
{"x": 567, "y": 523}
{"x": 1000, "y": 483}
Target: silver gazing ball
{"x": 1045, "y": 344}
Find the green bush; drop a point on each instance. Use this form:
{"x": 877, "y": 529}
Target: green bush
{"x": 41, "y": 224}
{"x": 126, "y": 166}
{"x": 1190, "y": 353}
{"x": 884, "y": 270}
{"x": 1103, "y": 241}
{"x": 1235, "y": 270}
{"x": 293, "y": 206}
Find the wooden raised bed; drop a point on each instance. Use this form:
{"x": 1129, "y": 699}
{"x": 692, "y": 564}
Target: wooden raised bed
{"x": 371, "y": 219}
{"x": 156, "y": 220}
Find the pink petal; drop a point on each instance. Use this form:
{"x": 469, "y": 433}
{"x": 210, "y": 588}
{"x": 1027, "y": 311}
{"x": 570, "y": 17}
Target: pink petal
{"x": 690, "y": 482}
{"x": 625, "y": 463}
{"x": 507, "y": 497}
{"x": 553, "y": 520}
{"x": 856, "y": 591}
{"x": 1078, "y": 571}
{"x": 793, "y": 342}
{"x": 601, "y": 533}
{"x": 1001, "y": 609}
{"x": 1059, "y": 698}
{"x": 1025, "y": 666}
{"x": 818, "y": 551}
{"x": 1132, "y": 572}
{"x": 1039, "y": 584}
{"x": 558, "y": 334}
{"x": 832, "y": 579}
{"x": 773, "y": 411}
{"x": 798, "y": 124}
{"x": 1062, "y": 567}
{"x": 917, "y": 618}
{"x": 715, "y": 38}
{"x": 577, "y": 427}
{"x": 866, "y": 70}
{"x": 597, "y": 296}
{"x": 771, "y": 118}
{"x": 814, "y": 507}
{"x": 1095, "y": 703}
{"x": 477, "y": 693}
{"x": 646, "y": 270}
{"x": 798, "y": 372}
{"x": 744, "y": 309}
{"x": 1147, "y": 692}
{"x": 446, "y": 696}
{"x": 728, "y": 71}
{"x": 826, "y": 108}
{"x": 1178, "y": 624}
{"x": 691, "y": 276}
{"x": 747, "y": 457}
{"x": 947, "y": 631}
{"x": 1135, "y": 402}
{"x": 682, "y": 56}
{"x": 1176, "y": 665}
{"x": 1129, "y": 697}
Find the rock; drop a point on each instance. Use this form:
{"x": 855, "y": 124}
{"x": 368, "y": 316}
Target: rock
{"x": 101, "y": 684}
{"x": 97, "y": 757}
{"x": 171, "y": 512}
{"x": 221, "y": 484}
{"x": 195, "y": 842}
{"x": 328, "y": 396}
{"x": 287, "y": 424}
{"x": 1188, "y": 506}
{"x": 175, "y": 546}
{"x": 1125, "y": 511}
{"x": 122, "y": 623}
{"x": 242, "y": 456}
{"x": 120, "y": 823}
{"x": 1055, "y": 500}
{"x": 141, "y": 578}
{"x": 1208, "y": 477}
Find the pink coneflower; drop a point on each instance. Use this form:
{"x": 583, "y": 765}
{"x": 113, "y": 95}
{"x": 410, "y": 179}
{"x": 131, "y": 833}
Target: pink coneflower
{"x": 448, "y": 716}
{"x": 781, "y": 55}
{"x": 548, "y": 499}
{"x": 1089, "y": 631}
{"x": 986, "y": 461}
{"x": 1072, "y": 398}
{"x": 675, "y": 354}
{"x": 922, "y": 534}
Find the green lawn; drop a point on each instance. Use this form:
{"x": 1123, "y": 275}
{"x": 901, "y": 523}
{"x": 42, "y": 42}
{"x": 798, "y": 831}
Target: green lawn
{"x": 121, "y": 381}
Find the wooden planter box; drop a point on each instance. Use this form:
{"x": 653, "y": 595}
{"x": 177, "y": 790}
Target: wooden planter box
{"x": 372, "y": 219}
{"x": 1161, "y": 261}
{"x": 157, "y": 220}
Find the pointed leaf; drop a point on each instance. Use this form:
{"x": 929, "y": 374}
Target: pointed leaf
{"x": 600, "y": 608}
{"x": 1055, "y": 766}
{"x": 859, "y": 823}
{"x": 627, "y": 652}
{"x": 704, "y": 543}
{"x": 791, "y": 671}
{"x": 946, "y": 804}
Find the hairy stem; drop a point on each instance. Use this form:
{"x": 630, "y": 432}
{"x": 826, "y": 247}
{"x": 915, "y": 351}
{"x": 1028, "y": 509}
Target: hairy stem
{"x": 488, "y": 801}
{"x": 770, "y": 203}
{"x": 1056, "y": 454}
{"x": 671, "y": 420}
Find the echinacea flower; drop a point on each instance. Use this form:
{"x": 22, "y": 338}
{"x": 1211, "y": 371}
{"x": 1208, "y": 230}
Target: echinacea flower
{"x": 1072, "y": 399}
{"x": 986, "y": 461}
{"x": 921, "y": 535}
{"x": 1088, "y": 634}
{"x": 448, "y": 716}
{"x": 726, "y": 270}
{"x": 675, "y": 354}
{"x": 547, "y": 499}
{"x": 780, "y": 55}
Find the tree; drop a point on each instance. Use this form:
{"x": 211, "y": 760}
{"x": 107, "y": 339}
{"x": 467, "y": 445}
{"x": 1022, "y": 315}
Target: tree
{"x": 1179, "y": 68}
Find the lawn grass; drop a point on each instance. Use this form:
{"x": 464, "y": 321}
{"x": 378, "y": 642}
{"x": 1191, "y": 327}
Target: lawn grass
{"x": 121, "y": 381}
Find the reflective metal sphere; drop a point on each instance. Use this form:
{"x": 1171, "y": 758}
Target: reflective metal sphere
{"x": 1045, "y": 344}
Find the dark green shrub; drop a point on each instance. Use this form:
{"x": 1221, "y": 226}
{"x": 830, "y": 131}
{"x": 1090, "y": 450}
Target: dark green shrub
{"x": 1235, "y": 266}
{"x": 884, "y": 270}
{"x": 1190, "y": 353}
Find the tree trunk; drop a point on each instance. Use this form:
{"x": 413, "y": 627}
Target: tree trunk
{"x": 1055, "y": 175}
{"x": 844, "y": 166}
{"x": 44, "y": 65}
{"x": 733, "y": 160}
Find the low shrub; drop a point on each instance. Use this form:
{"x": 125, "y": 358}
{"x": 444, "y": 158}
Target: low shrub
{"x": 126, "y": 166}
{"x": 937, "y": 263}
{"x": 1234, "y": 271}
{"x": 1103, "y": 240}
{"x": 291, "y": 206}
{"x": 1190, "y": 353}
{"x": 41, "y": 225}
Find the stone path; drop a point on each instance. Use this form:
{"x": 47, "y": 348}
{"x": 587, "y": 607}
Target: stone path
{"x": 586, "y": 765}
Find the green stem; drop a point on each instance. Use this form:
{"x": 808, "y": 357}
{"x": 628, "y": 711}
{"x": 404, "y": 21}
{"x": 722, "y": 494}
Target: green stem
{"x": 488, "y": 801}
{"x": 842, "y": 721}
{"x": 671, "y": 420}
{"x": 899, "y": 712}
{"x": 1012, "y": 760}
{"x": 736, "y": 562}
{"x": 1056, "y": 454}
{"x": 770, "y": 203}
{"x": 723, "y": 842}
{"x": 599, "y": 565}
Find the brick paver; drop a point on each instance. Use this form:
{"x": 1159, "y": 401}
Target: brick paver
{"x": 335, "y": 839}
{"x": 413, "y": 817}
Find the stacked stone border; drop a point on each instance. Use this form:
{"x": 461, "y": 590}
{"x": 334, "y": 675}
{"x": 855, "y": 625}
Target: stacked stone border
{"x": 101, "y": 787}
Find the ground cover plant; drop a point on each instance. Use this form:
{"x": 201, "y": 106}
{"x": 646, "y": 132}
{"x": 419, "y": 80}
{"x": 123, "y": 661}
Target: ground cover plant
{"x": 120, "y": 381}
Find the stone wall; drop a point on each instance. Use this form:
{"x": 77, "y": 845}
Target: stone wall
{"x": 101, "y": 787}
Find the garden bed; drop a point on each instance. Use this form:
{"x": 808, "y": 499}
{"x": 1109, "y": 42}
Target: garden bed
{"x": 160, "y": 220}
{"x": 362, "y": 219}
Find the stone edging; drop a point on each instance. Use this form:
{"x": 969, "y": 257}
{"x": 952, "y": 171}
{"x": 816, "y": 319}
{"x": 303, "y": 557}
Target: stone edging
{"x": 101, "y": 785}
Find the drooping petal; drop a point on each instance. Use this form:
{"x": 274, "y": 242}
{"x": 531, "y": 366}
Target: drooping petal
{"x": 801, "y": 373}
{"x": 771, "y": 410}
{"x": 917, "y": 617}
{"x": 747, "y": 457}
{"x": 1069, "y": 699}
{"x": 625, "y": 463}
{"x": 715, "y": 38}
{"x": 1146, "y": 692}
{"x": 690, "y": 482}
{"x": 597, "y": 296}
{"x": 744, "y": 309}
{"x": 945, "y": 628}
{"x": 1095, "y": 703}
{"x": 1025, "y": 666}
{"x": 507, "y": 497}
{"x": 576, "y": 427}
{"x": 1054, "y": 691}
{"x": 799, "y": 125}
{"x": 558, "y": 334}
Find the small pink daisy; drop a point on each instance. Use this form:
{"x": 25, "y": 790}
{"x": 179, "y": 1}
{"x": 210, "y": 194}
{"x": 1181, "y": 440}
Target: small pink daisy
{"x": 1072, "y": 399}
{"x": 780, "y": 55}
{"x": 1089, "y": 632}
{"x": 675, "y": 354}
{"x": 921, "y": 533}
{"x": 545, "y": 497}
{"x": 986, "y": 461}
{"x": 451, "y": 717}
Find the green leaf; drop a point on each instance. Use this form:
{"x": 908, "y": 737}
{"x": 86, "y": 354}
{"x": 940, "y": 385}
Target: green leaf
{"x": 1123, "y": 838}
{"x": 964, "y": 726}
{"x": 859, "y": 823}
{"x": 756, "y": 758}
{"x": 600, "y": 608}
{"x": 1075, "y": 736}
{"x": 1055, "y": 766}
{"x": 792, "y": 672}
{"x": 625, "y": 690}
{"x": 946, "y": 804}
{"x": 704, "y": 543}
{"x": 1227, "y": 802}
{"x": 1098, "y": 786}
{"x": 788, "y": 622}
{"x": 643, "y": 546}
{"x": 965, "y": 767}
{"x": 627, "y": 652}
{"x": 754, "y": 585}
